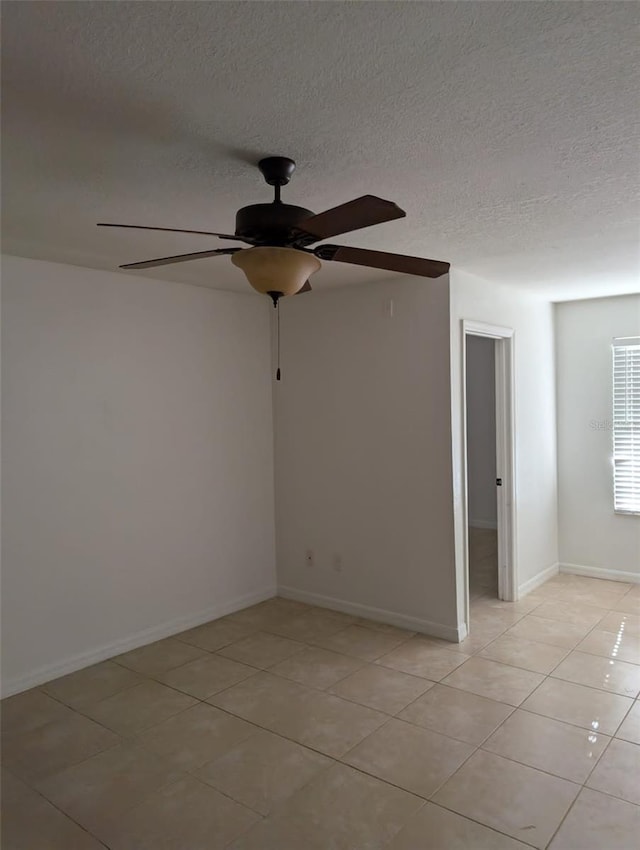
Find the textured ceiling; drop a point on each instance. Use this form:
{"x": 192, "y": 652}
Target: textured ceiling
{"x": 508, "y": 131}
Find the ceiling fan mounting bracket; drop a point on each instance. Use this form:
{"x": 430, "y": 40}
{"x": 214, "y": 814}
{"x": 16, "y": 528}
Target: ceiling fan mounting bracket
{"x": 277, "y": 170}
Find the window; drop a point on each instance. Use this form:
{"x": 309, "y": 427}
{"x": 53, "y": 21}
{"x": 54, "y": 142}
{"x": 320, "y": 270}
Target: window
{"x": 626, "y": 425}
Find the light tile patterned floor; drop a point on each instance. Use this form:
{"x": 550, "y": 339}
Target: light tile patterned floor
{"x": 284, "y": 727}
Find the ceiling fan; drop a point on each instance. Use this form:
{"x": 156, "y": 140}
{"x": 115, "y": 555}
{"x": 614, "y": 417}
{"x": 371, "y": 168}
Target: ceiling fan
{"x": 279, "y": 261}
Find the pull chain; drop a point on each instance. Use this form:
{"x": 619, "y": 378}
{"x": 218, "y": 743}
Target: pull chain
{"x": 278, "y": 339}
{"x": 275, "y": 297}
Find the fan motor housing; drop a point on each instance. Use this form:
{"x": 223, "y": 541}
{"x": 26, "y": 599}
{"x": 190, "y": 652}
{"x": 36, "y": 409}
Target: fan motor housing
{"x": 269, "y": 224}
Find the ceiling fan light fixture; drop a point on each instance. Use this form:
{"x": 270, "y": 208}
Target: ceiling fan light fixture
{"x": 275, "y": 269}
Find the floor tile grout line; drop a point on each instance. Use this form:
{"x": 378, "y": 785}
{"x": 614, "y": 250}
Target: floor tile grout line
{"x": 388, "y": 841}
{"x": 315, "y": 689}
{"x": 148, "y": 794}
{"x": 613, "y": 796}
{"x": 544, "y": 770}
{"x": 627, "y": 713}
{"x": 568, "y": 722}
{"x": 555, "y": 720}
{"x": 370, "y": 661}
{"x": 608, "y": 657}
{"x": 55, "y": 805}
{"x": 276, "y": 812}
{"x": 598, "y": 760}
{"x": 81, "y": 714}
{"x": 189, "y": 774}
{"x": 181, "y": 775}
{"x": 458, "y": 690}
{"x": 253, "y": 672}
{"x": 588, "y": 788}
{"x": 433, "y": 793}
{"x": 566, "y": 815}
{"x": 486, "y": 826}
{"x": 144, "y": 728}
{"x": 78, "y": 708}
{"x": 425, "y": 800}
{"x": 370, "y": 707}
{"x": 595, "y": 687}
{"x": 479, "y": 822}
{"x": 325, "y": 690}
{"x": 428, "y": 799}
{"x": 377, "y": 666}
{"x": 505, "y": 663}
{"x": 431, "y": 799}
{"x": 311, "y": 779}
{"x": 525, "y": 640}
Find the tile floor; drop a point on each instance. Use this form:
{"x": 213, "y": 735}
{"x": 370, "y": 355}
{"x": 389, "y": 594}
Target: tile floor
{"x": 284, "y": 727}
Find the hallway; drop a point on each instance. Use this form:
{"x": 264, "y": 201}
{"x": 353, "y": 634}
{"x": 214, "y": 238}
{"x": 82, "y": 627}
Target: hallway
{"x": 483, "y": 563}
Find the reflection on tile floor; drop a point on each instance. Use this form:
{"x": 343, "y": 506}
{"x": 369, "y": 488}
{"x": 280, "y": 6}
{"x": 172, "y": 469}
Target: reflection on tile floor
{"x": 285, "y": 727}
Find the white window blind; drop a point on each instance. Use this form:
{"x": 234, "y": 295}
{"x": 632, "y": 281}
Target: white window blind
{"x": 626, "y": 425}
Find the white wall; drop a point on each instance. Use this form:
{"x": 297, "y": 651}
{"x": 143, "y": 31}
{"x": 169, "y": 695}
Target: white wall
{"x": 592, "y": 536}
{"x": 535, "y": 420}
{"x": 137, "y": 462}
{"x": 363, "y": 459}
{"x": 481, "y": 432}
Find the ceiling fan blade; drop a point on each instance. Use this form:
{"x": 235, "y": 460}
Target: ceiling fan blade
{"x": 361, "y": 212}
{"x": 176, "y": 230}
{"x": 305, "y": 288}
{"x": 180, "y": 258}
{"x": 382, "y": 260}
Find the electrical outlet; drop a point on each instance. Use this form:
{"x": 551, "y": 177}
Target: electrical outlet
{"x": 309, "y": 559}
{"x": 337, "y": 563}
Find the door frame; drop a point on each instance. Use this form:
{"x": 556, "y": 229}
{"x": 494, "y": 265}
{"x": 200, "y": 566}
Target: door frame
{"x": 505, "y": 456}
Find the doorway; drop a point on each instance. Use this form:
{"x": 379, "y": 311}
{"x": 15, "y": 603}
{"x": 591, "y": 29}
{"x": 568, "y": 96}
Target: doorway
{"x": 488, "y": 452}
{"x": 482, "y": 515}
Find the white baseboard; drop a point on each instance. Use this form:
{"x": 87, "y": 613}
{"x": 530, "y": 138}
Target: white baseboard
{"x": 403, "y": 621}
{"x": 537, "y": 580}
{"x": 483, "y": 523}
{"x": 85, "y": 659}
{"x": 600, "y": 572}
